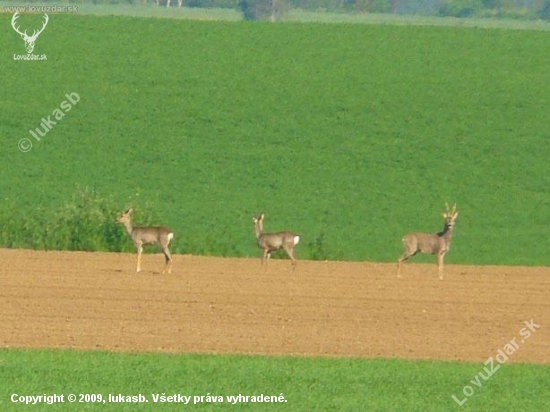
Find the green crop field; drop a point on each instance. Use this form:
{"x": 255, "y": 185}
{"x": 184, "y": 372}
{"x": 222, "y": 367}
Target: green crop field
{"x": 306, "y": 384}
{"x": 350, "y": 135}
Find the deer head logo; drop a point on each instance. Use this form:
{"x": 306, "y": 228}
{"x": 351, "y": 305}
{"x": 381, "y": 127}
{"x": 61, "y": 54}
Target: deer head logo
{"x": 29, "y": 40}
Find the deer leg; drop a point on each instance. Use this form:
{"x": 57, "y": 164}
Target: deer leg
{"x": 440, "y": 265}
{"x": 290, "y": 254}
{"x": 168, "y": 260}
{"x": 139, "y": 250}
{"x": 265, "y": 257}
{"x": 400, "y": 261}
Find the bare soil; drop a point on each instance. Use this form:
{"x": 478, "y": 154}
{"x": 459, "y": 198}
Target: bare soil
{"x": 220, "y": 305}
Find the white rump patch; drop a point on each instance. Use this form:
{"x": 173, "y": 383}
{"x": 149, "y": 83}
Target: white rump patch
{"x": 296, "y": 239}
{"x": 170, "y": 236}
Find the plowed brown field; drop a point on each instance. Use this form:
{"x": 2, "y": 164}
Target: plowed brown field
{"x": 97, "y": 301}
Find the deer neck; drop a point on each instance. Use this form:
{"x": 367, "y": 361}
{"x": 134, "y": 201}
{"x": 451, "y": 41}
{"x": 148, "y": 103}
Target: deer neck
{"x": 128, "y": 227}
{"x": 258, "y": 230}
{"x": 447, "y": 232}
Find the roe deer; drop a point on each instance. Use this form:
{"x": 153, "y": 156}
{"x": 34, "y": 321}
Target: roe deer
{"x": 436, "y": 244}
{"x": 270, "y": 242}
{"x": 148, "y": 236}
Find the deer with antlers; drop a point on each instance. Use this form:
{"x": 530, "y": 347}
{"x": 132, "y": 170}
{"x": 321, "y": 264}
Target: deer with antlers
{"x": 435, "y": 244}
{"x": 29, "y": 40}
{"x": 151, "y": 235}
{"x": 271, "y": 242}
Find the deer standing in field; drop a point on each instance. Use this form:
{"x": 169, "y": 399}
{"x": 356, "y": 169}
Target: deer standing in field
{"x": 152, "y": 235}
{"x": 270, "y": 242}
{"x": 434, "y": 244}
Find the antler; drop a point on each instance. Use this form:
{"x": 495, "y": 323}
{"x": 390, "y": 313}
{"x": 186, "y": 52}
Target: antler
{"x": 46, "y": 20}
{"x": 15, "y": 16}
{"x": 449, "y": 212}
{"x": 35, "y": 32}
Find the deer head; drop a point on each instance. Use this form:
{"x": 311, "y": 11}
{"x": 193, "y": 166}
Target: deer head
{"x": 449, "y": 215}
{"x": 29, "y": 40}
{"x": 125, "y": 217}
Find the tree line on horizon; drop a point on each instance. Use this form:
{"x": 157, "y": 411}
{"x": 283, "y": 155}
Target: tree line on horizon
{"x": 275, "y": 9}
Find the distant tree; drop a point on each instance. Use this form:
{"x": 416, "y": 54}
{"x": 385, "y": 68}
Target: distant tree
{"x": 460, "y": 8}
{"x": 380, "y": 6}
{"x": 544, "y": 12}
{"x": 262, "y": 9}
{"x": 362, "y": 6}
{"x": 491, "y": 4}
{"x": 395, "y": 4}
